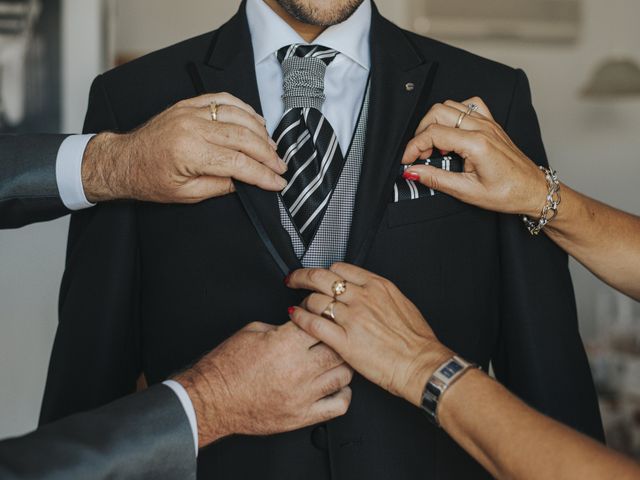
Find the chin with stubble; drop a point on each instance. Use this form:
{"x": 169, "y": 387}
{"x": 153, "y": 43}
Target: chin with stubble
{"x": 323, "y": 13}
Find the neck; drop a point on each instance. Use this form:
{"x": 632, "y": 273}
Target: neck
{"x": 308, "y": 32}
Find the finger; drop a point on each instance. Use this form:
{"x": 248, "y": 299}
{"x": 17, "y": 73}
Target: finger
{"x": 449, "y": 139}
{"x": 321, "y": 280}
{"x": 317, "y": 303}
{"x": 242, "y": 139}
{"x": 259, "y": 327}
{"x": 299, "y": 338}
{"x": 482, "y": 106}
{"x": 441, "y": 114}
{"x": 330, "y": 407}
{"x": 324, "y": 358}
{"x": 352, "y": 274}
{"x": 320, "y": 328}
{"x": 238, "y": 116}
{"x": 221, "y": 99}
{"x": 225, "y": 163}
{"x": 202, "y": 188}
{"x": 332, "y": 381}
{"x": 451, "y": 183}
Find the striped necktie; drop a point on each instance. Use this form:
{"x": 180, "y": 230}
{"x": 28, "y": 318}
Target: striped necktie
{"x": 306, "y": 141}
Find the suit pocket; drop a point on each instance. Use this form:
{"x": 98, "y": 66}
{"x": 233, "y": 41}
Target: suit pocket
{"x": 424, "y": 209}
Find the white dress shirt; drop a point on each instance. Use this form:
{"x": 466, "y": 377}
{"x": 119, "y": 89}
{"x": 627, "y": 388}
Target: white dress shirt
{"x": 345, "y": 86}
{"x": 346, "y": 78}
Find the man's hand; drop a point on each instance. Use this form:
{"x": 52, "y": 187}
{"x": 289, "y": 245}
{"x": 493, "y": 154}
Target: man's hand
{"x": 266, "y": 380}
{"x": 183, "y": 156}
{"x": 497, "y": 175}
{"x": 377, "y": 330}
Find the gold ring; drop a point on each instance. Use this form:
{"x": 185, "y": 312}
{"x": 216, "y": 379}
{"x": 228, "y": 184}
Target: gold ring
{"x": 330, "y": 312}
{"x": 213, "y": 109}
{"x": 338, "y": 288}
{"x": 461, "y": 118}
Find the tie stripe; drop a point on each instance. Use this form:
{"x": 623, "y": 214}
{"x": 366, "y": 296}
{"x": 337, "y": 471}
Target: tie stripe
{"x": 306, "y": 141}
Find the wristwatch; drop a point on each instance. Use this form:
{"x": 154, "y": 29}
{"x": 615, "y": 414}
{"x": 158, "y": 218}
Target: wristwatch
{"x": 445, "y": 376}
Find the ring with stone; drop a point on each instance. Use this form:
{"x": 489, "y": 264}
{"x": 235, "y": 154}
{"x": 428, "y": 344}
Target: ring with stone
{"x": 338, "y": 288}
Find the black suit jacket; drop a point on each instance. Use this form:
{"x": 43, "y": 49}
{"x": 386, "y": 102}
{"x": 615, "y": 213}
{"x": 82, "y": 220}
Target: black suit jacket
{"x": 181, "y": 279}
{"x": 143, "y": 436}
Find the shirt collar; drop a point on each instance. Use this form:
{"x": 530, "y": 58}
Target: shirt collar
{"x": 269, "y": 33}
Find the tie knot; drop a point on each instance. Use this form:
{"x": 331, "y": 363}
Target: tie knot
{"x": 325, "y": 54}
{"x": 304, "y": 68}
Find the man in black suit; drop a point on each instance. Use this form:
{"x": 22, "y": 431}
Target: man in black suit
{"x": 341, "y": 110}
{"x": 152, "y": 434}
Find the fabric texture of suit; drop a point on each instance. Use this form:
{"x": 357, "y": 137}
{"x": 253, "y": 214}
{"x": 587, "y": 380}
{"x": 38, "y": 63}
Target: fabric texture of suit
{"x": 28, "y": 188}
{"x": 182, "y": 279}
{"x": 145, "y": 435}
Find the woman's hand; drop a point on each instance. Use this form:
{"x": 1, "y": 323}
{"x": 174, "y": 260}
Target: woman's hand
{"x": 497, "y": 175}
{"x": 377, "y": 330}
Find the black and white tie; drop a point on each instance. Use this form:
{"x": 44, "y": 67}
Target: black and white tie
{"x": 306, "y": 141}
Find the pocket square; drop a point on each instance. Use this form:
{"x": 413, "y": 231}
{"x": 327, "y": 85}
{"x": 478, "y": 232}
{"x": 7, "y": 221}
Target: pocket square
{"x": 408, "y": 190}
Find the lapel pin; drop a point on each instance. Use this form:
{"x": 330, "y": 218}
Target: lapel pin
{"x": 409, "y": 87}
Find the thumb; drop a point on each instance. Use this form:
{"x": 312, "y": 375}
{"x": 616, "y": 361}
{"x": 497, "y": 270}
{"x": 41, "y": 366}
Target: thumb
{"x": 259, "y": 327}
{"x": 438, "y": 179}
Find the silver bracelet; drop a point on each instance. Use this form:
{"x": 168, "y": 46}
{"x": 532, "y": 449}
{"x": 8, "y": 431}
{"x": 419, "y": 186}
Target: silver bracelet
{"x": 445, "y": 376}
{"x": 550, "y": 209}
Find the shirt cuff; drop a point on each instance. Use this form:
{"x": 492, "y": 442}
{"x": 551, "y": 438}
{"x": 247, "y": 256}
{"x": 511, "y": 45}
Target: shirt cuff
{"x": 183, "y": 396}
{"x": 69, "y": 172}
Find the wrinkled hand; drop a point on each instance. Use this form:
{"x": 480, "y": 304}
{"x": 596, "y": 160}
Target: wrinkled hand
{"x": 182, "y": 156}
{"x": 266, "y": 380}
{"x": 497, "y": 175}
{"x": 377, "y": 330}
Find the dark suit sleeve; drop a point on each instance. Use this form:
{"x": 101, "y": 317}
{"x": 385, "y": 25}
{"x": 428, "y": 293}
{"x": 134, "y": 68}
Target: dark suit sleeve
{"x": 28, "y": 187}
{"x": 146, "y": 435}
{"x": 96, "y": 354}
{"x": 540, "y": 355}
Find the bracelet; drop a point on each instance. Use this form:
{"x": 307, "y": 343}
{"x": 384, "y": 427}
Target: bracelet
{"x": 550, "y": 209}
{"x": 445, "y": 376}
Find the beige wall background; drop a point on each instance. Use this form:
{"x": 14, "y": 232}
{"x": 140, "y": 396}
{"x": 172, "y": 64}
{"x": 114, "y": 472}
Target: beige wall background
{"x": 594, "y": 146}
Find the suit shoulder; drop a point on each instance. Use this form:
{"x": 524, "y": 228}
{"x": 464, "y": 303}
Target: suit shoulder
{"x": 456, "y": 59}
{"x": 142, "y": 88}
{"x": 164, "y": 60}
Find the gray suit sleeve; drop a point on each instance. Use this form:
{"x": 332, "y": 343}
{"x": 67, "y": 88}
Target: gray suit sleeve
{"x": 145, "y": 435}
{"x": 28, "y": 187}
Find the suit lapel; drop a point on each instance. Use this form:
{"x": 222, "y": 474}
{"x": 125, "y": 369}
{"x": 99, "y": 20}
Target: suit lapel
{"x": 229, "y": 67}
{"x": 394, "y": 113}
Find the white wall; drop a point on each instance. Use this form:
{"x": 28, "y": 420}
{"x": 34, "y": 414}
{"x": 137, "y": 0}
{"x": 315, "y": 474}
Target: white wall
{"x": 594, "y": 146}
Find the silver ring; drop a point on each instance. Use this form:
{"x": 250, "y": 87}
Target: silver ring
{"x": 472, "y": 108}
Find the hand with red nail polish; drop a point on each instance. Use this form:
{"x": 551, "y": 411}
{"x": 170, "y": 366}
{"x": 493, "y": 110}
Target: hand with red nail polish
{"x": 414, "y": 177}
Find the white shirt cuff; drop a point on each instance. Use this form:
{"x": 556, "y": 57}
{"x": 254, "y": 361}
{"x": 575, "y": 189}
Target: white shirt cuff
{"x": 183, "y": 396}
{"x": 69, "y": 172}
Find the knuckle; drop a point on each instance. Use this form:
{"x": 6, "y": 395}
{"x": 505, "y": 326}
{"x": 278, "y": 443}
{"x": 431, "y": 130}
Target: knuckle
{"x": 237, "y": 160}
{"x": 315, "y": 276}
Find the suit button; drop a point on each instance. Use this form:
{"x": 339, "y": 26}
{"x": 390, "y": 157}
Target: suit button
{"x": 319, "y": 437}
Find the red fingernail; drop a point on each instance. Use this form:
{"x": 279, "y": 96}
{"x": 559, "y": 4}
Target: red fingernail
{"x": 411, "y": 176}
{"x": 286, "y": 280}
{"x": 291, "y": 310}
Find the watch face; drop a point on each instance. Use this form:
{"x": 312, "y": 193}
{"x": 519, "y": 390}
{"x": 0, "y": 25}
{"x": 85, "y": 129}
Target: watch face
{"x": 450, "y": 369}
